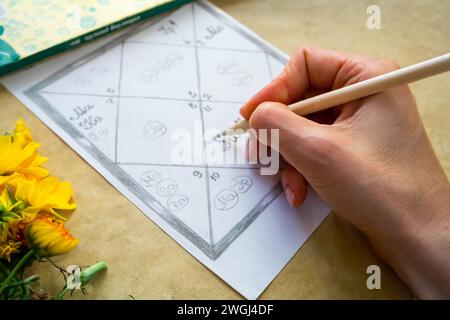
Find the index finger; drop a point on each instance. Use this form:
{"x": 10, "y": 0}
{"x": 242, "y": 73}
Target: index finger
{"x": 308, "y": 68}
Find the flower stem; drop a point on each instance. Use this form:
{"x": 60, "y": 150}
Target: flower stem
{"x": 63, "y": 292}
{"x": 18, "y": 266}
{"x": 89, "y": 272}
{"x": 85, "y": 276}
{"x": 27, "y": 281}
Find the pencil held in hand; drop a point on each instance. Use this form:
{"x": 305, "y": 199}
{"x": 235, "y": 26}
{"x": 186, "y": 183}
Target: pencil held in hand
{"x": 362, "y": 89}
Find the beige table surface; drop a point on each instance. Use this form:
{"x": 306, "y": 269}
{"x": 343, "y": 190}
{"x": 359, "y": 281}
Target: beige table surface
{"x": 147, "y": 263}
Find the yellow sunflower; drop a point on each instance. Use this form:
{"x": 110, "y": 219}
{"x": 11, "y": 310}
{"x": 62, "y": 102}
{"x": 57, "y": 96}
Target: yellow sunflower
{"x": 8, "y": 248}
{"x": 48, "y": 194}
{"x": 18, "y": 154}
{"x": 49, "y": 238}
{"x": 13, "y": 216}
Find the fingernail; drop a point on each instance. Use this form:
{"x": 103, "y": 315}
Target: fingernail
{"x": 243, "y": 111}
{"x": 290, "y": 196}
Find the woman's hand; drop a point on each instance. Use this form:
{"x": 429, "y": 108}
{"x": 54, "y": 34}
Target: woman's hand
{"x": 369, "y": 159}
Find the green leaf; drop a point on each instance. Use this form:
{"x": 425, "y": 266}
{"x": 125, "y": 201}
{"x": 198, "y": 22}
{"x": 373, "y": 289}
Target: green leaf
{"x": 10, "y": 195}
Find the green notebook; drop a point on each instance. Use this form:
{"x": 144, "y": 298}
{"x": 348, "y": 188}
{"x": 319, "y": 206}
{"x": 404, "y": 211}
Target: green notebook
{"x": 31, "y": 30}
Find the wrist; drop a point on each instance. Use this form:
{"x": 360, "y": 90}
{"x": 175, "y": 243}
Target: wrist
{"x": 420, "y": 252}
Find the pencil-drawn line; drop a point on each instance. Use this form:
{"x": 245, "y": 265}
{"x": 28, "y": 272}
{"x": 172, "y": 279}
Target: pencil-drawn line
{"x": 137, "y": 97}
{"x": 95, "y": 53}
{"x": 116, "y": 143}
{"x": 146, "y": 200}
{"x": 187, "y": 165}
{"x": 131, "y": 184}
{"x": 192, "y": 46}
{"x": 197, "y": 65}
{"x": 268, "y": 65}
{"x": 241, "y": 30}
{"x": 239, "y": 228}
{"x": 79, "y": 94}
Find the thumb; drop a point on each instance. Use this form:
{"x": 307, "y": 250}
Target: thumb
{"x": 305, "y": 144}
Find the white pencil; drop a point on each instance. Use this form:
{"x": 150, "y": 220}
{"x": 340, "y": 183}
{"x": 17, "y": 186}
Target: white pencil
{"x": 363, "y": 89}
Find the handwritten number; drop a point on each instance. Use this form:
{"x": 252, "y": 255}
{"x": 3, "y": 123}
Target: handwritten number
{"x": 192, "y": 94}
{"x": 197, "y": 174}
{"x": 206, "y": 96}
{"x": 215, "y": 176}
{"x": 207, "y": 108}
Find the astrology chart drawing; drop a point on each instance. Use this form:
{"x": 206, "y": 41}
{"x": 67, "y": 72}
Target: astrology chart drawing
{"x": 122, "y": 101}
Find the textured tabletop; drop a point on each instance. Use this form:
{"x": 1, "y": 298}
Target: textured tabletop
{"x": 146, "y": 263}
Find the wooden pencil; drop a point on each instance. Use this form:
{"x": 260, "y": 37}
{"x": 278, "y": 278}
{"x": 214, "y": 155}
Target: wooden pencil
{"x": 362, "y": 89}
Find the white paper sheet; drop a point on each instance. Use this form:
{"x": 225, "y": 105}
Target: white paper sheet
{"x": 117, "y": 103}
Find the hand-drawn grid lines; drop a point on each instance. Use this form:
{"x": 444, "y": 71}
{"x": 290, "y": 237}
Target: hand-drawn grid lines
{"x": 112, "y": 101}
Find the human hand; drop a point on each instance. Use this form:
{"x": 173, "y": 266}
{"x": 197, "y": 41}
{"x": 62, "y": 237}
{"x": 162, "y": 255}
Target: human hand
{"x": 369, "y": 159}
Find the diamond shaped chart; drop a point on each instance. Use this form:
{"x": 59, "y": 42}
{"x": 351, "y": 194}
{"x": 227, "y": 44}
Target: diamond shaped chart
{"x": 124, "y": 101}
